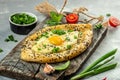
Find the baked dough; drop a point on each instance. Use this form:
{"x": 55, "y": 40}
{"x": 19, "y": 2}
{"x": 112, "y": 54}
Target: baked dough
{"x": 83, "y": 42}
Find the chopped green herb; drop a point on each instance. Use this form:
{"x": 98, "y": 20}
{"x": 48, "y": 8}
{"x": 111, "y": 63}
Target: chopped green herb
{"x": 59, "y": 32}
{"x": 55, "y": 49}
{"x": 22, "y": 18}
{"x": 70, "y": 30}
{"x": 10, "y": 38}
{"x": 67, "y": 38}
{"x": 75, "y": 37}
{"x": 45, "y": 35}
{"x": 55, "y": 19}
{"x": 1, "y": 50}
{"x": 44, "y": 45}
{"x": 108, "y": 15}
{"x": 80, "y": 33}
{"x": 39, "y": 49}
{"x": 37, "y": 38}
{"x": 7, "y": 40}
{"x": 98, "y": 26}
{"x": 69, "y": 46}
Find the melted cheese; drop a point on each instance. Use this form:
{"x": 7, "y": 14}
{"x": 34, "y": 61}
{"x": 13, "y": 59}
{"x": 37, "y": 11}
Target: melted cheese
{"x": 44, "y": 45}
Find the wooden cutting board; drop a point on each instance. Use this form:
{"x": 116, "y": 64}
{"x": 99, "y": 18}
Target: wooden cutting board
{"x": 12, "y": 66}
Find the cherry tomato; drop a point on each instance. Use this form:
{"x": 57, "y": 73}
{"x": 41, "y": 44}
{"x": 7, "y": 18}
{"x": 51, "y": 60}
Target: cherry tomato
{"x": 72, "y": 18}
{"x": 114, "y": 22}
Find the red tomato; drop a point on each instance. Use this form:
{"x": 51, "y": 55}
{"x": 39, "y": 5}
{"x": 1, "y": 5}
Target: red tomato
{"x": 114, "y": 22}
{"x": 72, "y": 18}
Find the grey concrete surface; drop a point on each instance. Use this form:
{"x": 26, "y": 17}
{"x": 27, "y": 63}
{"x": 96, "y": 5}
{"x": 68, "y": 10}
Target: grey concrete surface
{"x": 96, "y": 7}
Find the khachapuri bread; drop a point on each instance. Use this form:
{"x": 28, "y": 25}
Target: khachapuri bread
{"x": 57, "y": 43}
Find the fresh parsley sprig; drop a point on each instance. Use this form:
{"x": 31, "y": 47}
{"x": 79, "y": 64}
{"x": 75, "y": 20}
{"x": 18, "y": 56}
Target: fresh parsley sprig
{"x": 10, "y": 38}
{"x": 98, "y": 26}
{"x": 55, "y": 19}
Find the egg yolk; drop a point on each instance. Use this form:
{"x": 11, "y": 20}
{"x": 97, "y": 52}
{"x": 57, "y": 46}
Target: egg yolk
{"x": 56, "y": 40}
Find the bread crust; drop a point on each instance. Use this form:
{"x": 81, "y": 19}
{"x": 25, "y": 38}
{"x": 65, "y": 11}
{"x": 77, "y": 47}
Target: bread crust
{"x": 83, "y": 43}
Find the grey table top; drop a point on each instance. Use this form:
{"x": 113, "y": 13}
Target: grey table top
{"x": 97, "y": 7}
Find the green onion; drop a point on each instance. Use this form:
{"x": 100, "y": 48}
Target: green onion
{"x": 100, "y": 60}
{"x": 105, "y": 62}
{"x": 96, "y": 68}
{"x": 94, "y": 72}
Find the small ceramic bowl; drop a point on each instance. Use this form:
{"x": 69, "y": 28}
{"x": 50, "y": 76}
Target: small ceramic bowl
{"x": 22, "y": 29}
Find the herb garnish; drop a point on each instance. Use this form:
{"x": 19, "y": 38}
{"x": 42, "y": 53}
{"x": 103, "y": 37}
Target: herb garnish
{"x": 10, "y": 38}
{"x": 59, "y": 32}
{"x": 108, "y": 15}
{"x": 80, "y": 33}
{"x": 39, "y": 49}
{"x": 70, "y": 30}
{"x": 45, "y": 35}
{"x": 75, "y": 37}
{"x": 55, "y": 19}
{"x": 67, "y": 38}
{"x": 98, "y": 26}
{"x": 55, "y": 49}
{"x": 44, "y": 45}
{"x": 22, "y": 18}
{"x": 69, "y": 46}
{"x": 1, "y": 50}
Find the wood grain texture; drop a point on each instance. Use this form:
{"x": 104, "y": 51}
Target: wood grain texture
{"x": 12, "y": 66}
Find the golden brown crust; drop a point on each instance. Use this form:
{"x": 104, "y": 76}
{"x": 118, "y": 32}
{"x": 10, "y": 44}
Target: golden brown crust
{"x": 82, "y": 43}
